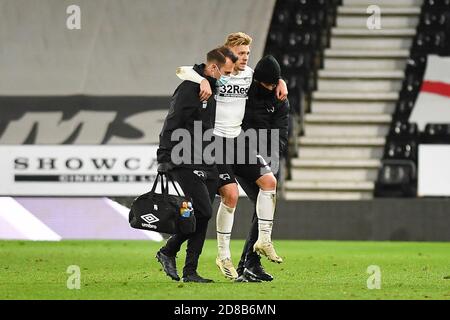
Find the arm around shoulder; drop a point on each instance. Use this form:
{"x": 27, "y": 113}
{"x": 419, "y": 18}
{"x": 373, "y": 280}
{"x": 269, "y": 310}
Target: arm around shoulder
{"x": 188, "y": 73}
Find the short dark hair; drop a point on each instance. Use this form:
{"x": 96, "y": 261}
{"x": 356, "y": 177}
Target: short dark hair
{"x": 219, "y": 56}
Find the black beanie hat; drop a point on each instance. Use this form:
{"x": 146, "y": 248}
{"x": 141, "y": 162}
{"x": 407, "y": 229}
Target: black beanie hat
{"x": 267, "y": 70}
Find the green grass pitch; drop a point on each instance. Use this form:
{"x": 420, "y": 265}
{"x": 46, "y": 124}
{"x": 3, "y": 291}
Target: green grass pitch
{"x": 312, "y": 270}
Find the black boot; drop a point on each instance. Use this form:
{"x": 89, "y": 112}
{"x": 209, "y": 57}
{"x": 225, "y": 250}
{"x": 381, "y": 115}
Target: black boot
{"x": 257, "y": 271}
{"x": 247, "y": 278}
{"x": 240, "y": 268}
{"x": 169, "y": 265}
{"x": 195, "y": 277}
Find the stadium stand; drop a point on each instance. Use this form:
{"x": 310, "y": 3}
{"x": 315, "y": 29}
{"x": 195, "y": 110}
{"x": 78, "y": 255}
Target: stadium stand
{"x": 432, "y": 37}
{"x": 344, "y": 81}
{"x": 353, "y": 90}
{"x": 299, "y": 33}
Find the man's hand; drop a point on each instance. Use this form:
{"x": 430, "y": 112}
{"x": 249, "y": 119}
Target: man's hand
{"x": 281, "y": 90}
{"x": 165, "y": 167}
{"x": 205, "y": 90}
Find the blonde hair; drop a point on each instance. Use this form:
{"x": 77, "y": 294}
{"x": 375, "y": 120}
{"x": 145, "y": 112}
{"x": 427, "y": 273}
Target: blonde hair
{"x": 238, "y": 39}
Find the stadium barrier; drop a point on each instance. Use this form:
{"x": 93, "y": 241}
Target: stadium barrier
{"x": 375, "y": 220}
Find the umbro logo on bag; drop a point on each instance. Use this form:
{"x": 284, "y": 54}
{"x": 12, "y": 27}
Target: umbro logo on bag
{"x": 149, "y": 218}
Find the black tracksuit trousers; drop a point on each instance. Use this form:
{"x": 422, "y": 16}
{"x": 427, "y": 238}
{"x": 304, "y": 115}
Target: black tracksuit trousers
{"x": 201, "y": 185}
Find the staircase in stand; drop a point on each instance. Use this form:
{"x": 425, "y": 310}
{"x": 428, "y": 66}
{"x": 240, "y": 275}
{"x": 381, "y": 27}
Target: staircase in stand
{"x": 344, "y": 135}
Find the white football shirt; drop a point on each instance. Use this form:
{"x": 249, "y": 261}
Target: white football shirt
{"x": 230, "y": 107}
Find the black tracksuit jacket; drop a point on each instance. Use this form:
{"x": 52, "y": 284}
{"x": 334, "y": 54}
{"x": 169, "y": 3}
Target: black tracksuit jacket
{"x": 185, "y": 108}
{"x": 267, "y": 113}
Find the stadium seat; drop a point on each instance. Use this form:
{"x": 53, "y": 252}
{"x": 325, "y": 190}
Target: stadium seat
{"x": 401, "y": 150}
{"x": 295, "y": 86}
{"x": 298, "y": 42}
{"x": 397, "y": 178}
{"x": 281, "y": 18}
{"x": 431, "y": 42}
{"x": 403, "y": 110}
{"x": 416, "y": 65}
{"x": 433, "y": 20}
{"x": 313, "y": 18}
{"x": 307, "y": 80}
{"x": 436, "y": 4}
{"x": 411, "y": 85}
{"x": 275, "y": 39}
{"x": 436, "y": 134}
{"x": 446, "y": 26}
{"x": 402, "y": 141}
{"x": 300, "y": 62}
{"x": 294, "y": 82}
{"x": 402, "y": 130}
{"x": 308, "y": 4}
{"x": 423, "y": 42}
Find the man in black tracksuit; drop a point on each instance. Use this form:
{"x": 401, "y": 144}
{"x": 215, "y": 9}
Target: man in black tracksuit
{"x": 263, "y": 111}
{"x": 197, "y": 176}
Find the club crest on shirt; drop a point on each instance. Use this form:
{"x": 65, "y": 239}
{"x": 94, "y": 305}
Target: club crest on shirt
{"x": 199, "y": 173}
{"x": 224, "y": 177}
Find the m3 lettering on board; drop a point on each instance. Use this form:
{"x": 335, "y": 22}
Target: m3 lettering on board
{"x": 83, "y": 127}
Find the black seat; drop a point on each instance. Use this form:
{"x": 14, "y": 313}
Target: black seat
{"x": 396, "y": 178}
{"x": 411, "y": 85}
{"x": 403, "y": 110}
{"x": 281, "y": 18}
{"x": 430, "y": 42}
{"x": 403, "y": 130}
{"x": 295, "y": 85}
{"x": 294, "y": 81}
{"x": 433, "y": 21}
{"x": 422, "y": 42}
{"x": 436, "y": 133}
{"x": 295, "y": 62}
{"x": 436, "y": 4}
{"x": 416, "y": 64}
{"x": 297, "y": 42}
{"x": 304, "y": 18}
{"x": 276, "y": 39}
{"x": 312, "y": 5}
{"x": 401, "y": 150}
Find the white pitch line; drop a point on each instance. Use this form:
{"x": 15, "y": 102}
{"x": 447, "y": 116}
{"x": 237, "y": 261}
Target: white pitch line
{"x": 124, "y": 211}
{"x": 25, "y": 222}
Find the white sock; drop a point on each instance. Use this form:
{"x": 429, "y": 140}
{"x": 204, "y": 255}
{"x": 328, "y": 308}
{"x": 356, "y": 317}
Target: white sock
{"x": 265, "y": 209}
{"x": 224, "y": 225}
